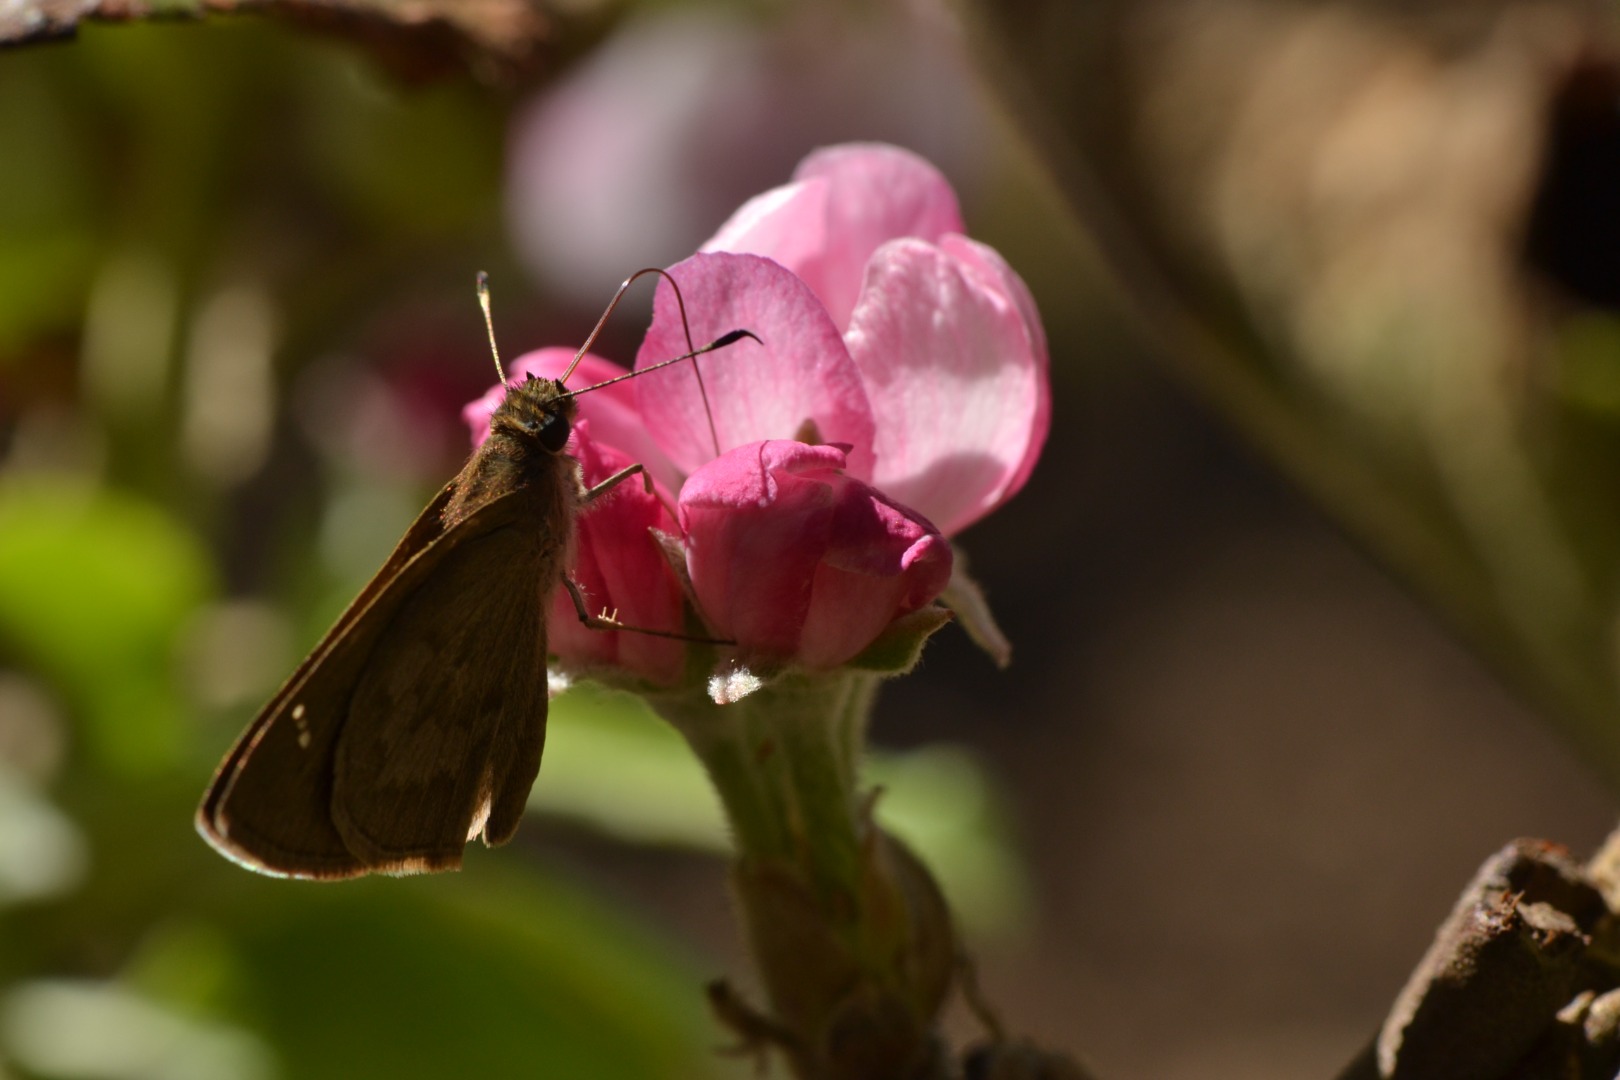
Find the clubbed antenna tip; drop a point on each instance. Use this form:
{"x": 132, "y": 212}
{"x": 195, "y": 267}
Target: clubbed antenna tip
{"x": 731, "y": 339}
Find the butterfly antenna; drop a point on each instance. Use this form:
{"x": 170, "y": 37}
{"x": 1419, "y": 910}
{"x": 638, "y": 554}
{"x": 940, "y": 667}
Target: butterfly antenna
{"x": 729, "y": 338}
{"x": 692, "y": 351}
{"x": 489, "y": 324}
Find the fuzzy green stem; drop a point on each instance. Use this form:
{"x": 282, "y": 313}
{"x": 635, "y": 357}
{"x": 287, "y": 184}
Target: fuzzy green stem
{"x": 784, "y": 762}
{"x": 852, "y": 938}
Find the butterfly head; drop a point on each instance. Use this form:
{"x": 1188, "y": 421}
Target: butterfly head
{"x": 538, "y": 411}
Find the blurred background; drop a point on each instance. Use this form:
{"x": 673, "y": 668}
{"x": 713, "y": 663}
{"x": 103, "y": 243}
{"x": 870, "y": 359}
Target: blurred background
{"x": 1205, "y": 824}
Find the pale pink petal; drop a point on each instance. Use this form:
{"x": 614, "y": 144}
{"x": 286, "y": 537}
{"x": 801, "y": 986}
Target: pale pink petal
{"x": 612, "y": 410}
{"x": 802, "y": 373}
{"x": 957, "y": 377}
{"x": 993, "y": 272}
{"x": 876, "y": 193}
{"x": 787, "y": 224}
{"x": 844, "y": 203}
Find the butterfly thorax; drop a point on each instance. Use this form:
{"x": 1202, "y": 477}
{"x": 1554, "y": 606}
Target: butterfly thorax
{"x": 525, "y": 452}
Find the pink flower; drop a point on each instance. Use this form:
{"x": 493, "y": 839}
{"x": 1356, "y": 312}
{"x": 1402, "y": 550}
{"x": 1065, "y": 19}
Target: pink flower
{"x": 919, "y": 347}
{"x": 794, "y": 560}
{"x": 912, "y": 355}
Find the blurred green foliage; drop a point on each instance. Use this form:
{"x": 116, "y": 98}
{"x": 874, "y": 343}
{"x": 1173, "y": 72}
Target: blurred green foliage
{"x": 173, "y": 533}
{"x": 94, "y": 587}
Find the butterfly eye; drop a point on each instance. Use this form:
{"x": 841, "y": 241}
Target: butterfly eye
{"x": 553, "y": 433}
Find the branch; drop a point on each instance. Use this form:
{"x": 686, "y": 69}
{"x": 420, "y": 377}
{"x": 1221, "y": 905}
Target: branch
{"x": 417, "y": 40}
{"x": 1522, "y": 980}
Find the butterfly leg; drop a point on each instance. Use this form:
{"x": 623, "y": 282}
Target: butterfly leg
{"x": 605, "y": 621}
{"x": 596, "y": 491}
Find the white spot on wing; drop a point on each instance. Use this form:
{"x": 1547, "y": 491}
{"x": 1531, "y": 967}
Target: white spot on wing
{"x": 480, "y": 819}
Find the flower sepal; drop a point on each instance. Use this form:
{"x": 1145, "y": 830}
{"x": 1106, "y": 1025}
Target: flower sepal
{"x": 894, "y": 652}
{"x": 898, "y": 649}
{"x": 967, "y": 602}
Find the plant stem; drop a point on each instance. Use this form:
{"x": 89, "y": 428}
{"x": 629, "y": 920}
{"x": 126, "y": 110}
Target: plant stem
{"x": 851, "y": 935}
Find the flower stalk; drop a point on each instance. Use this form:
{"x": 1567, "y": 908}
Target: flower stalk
{"x": 852, "y": 938}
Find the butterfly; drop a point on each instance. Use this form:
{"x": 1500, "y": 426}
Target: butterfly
{"x": 417, "y": 723}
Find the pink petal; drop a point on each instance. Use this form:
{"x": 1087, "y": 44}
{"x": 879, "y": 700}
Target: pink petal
{"x": 612, "y": 411}
{"x": 787, "y": 224}
{"x": 955, "y": 365}
{"x": 993, "y": 272}
{"x": 750, "y": 476}
{"x": 877, "y": 193}
{"x": 885, "y": 562}
{"x": 845, "y": 202}
{"x": 620, "y": 568}
{"x": 755, "y": 533}
{"x": 802, "y": 373}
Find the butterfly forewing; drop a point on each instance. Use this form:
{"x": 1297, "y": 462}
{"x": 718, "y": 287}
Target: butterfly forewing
{"x": 282, "y": 802}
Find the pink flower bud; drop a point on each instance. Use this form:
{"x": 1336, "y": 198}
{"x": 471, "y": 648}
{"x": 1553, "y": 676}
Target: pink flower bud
{"x": 798, "y": 562}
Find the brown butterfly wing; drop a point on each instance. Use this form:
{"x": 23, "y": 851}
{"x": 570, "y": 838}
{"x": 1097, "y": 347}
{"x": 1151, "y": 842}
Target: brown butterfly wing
{"x": 288, "y": 830}
{"x": 270, "y": 806}
{"x": 447, "y": 721}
